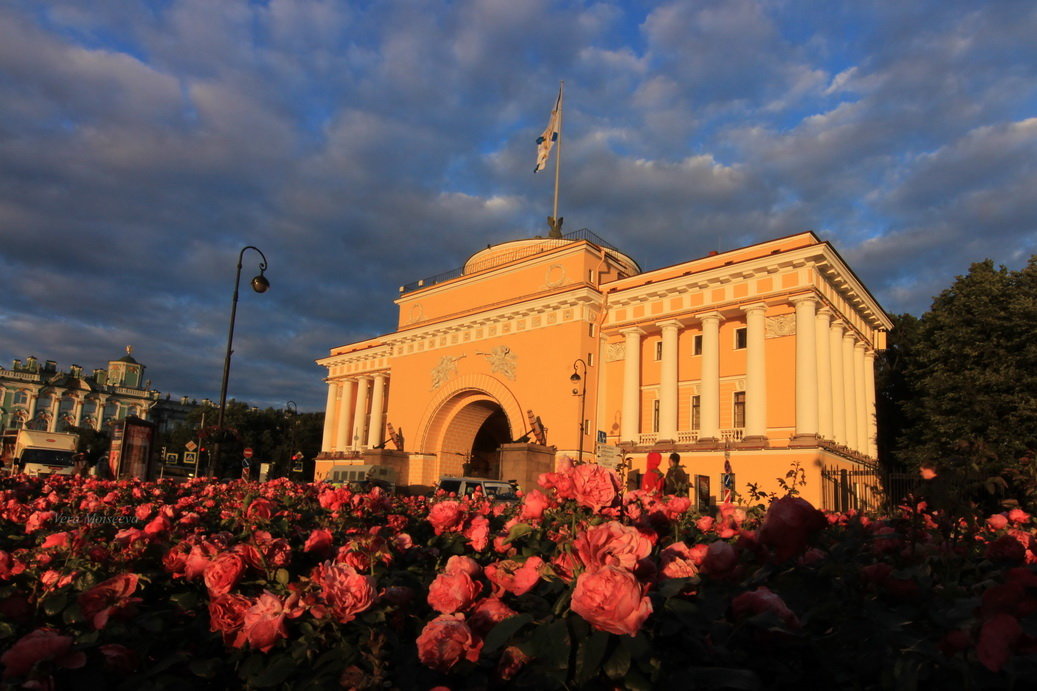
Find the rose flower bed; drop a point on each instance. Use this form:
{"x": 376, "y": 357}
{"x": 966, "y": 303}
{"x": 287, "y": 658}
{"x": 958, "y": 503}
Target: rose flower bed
{"x": 161, "y": 585}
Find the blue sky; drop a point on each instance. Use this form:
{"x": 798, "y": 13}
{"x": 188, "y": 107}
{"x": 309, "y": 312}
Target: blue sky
{"x": 364, "y": 145}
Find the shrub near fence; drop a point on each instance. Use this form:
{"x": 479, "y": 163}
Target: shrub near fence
{"x": 278, "y": 585}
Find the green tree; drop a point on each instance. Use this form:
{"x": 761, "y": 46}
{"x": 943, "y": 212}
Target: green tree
{"x": 973, "y": 402}
{"x": 894, "y": 390}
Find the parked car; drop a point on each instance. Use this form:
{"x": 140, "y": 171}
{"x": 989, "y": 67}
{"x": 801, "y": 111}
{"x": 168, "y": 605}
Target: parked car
{"x": 495, "y": 490}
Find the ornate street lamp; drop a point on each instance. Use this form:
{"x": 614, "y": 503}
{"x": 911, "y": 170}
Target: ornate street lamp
{"x": 260, "y": 284}
{"x": 580, "y": 389}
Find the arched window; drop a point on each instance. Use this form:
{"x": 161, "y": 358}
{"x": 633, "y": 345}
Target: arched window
{"x": 21, "y": 398}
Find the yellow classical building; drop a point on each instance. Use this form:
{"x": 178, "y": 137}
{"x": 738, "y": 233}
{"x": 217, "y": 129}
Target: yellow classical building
{"x": 748, "y": 363}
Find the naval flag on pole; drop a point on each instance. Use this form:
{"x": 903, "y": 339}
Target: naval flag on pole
{"x": 546, "y": 140}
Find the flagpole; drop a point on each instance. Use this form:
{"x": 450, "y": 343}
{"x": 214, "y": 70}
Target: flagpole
{"x": 558, "y": 156}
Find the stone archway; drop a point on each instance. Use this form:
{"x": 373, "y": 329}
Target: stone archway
{"x": 467, "y": 422}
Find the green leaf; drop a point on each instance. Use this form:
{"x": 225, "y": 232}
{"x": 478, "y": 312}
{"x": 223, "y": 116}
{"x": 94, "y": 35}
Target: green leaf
{"x": 517, "y": 531}
{"x": 619, "y": 663}
{"x": 553, "y": 644}
{"x": 72, "y": 614}
{"x": 206, "y": 669}
{"x": 589, "y": 656}
{"x": 282, "y": 576}
{"x": 187, "y": 600}
{"x": 280, "y": 668}
{"x": 502, "y": 632}
{"x": 55, "y": 603}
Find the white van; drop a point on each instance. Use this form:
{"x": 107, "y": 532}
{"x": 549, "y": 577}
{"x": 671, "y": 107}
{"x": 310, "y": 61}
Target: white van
{"x": 494, "y": 490}
{"x": 362, "y": 477}
{"x": 45, "y": 453}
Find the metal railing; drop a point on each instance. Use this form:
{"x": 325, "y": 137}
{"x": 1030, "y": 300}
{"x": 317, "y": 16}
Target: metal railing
{"x": 508, "y": 257}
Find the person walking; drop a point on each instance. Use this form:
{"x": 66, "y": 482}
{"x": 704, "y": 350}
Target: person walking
{"x": 677, "y": 481}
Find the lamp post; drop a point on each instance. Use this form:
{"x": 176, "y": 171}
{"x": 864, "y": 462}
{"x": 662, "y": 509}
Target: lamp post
{"x": 291, "y": 411}
{"x": 259, "y": 284}
{"x": 580, "y": 389}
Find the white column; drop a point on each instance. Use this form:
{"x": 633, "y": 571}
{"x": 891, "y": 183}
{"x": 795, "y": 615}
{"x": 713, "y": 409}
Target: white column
{"x": 30, "y": 406}
{"x": 360, "y": 412}
{"x": 328, "y": 440}
{"x": 806, "y": 366}
{"x": 838, "y": 383}
{"x": 630, "y": 423}
{"x": 825, "y": 424}
{"x": 99, "y": 414}
{"x": 77, "y": 412}
{"x": 869, "y": 403}
{"x": 849, "y": 390}
{"x": 755, "y": 371}
{"x": 346, "y": 406}
{"x": 709, "y": 392}
{"x": 376, "y": 435}
{"x": 862, "y": 403}
{"x": 55, "y": 406}
{"x": 668, "y": 382}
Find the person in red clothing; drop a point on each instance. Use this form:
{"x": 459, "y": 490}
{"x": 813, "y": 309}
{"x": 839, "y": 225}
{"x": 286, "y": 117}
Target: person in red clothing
{"x": 653, "y": 477}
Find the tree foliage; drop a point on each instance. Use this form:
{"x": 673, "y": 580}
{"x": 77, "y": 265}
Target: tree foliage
{"x": 969, "y": 389}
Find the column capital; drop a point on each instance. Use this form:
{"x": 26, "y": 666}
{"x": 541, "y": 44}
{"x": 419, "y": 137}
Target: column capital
{"x": 825, "y": 312}
{"x": 633, "y": 330}
{"x": 754, "y": 307}
{"x": 859, "y": 344}
{"x": 708, "y": 316}
{"x": 810, "y": 297}
{"x": 670, "y": 323}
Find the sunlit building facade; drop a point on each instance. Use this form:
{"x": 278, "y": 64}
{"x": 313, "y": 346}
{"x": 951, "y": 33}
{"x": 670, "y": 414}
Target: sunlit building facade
{"x": 748, "y": 363}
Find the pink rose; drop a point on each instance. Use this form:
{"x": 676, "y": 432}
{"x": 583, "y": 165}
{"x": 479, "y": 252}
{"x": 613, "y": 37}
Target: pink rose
{"x": 998, "y": 521}
{"x": 263, "y": 623}
{"x": 453, "y": 592}
{"x": 445, "y": 641}
{"x": 157, "y": 527}
{"x": 55, "y": 540}
{"x": 612, "y": 544}
{"x": 223, "y": 573}
{"x": 198, "y": 559}
{"x": 1018, "y": 516}
{"x": 594, "y": 486}
{"x": 788, "y": 526}
{"x": 107, "y": 598}
{"x": 345, "y": 592}
{"x": 487, "y": 613}
{"x": 478, "y": 533}
{"x": 677, "y": 561}
{"x": 763, "y": 600}
{"x": 533, "y": 506}
{"x": 38, "y": 520}
{"x": 446, "y": 516}
{"x": 40, "y": 645}
{"x": 260, "y": 509}
{"x": 611, "y": 599}
{"x": 515, "y": 578}
{"x": 466, "y": 564}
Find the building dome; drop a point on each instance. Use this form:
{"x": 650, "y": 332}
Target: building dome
{"x": 505, "y": 252}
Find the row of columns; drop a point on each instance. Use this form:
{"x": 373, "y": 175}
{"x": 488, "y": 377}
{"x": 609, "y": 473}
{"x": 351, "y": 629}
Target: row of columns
{"x": 77, "y": 411}
{"x": 349, "y": 430}
{"x": 835, "y": 379}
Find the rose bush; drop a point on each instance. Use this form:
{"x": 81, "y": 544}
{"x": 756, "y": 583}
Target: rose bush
{"x": 127, "y": 584}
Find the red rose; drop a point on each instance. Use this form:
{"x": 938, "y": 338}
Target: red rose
{"x": 223, "y": 573}
{"x": 763, "y": 600}
{"x": 612, "y": 544}
{"x": 55, "y": 540}
{"x": 788, "y": 526}
{"x": 1006, "y": 548}
{"x": 37, "y": 520}
{"x": 453, "y": 592}
{"x": 158, "y": 526}
{"x": 594, "y": 486}
{"x": 1018, "y": 516}
{"x": 260, "y": 509}
{"x": 998, "y": 521}
{"x": 998, "y": 636}
{"x": 345, "y": 592}
{"x": 107, "y": 598}
{"x": 198, "y": 559}
{"x": 721, "y": 559}
{"x": 511, "y": 661}
{"x": 319, "y": 541}
{"x": 40, "y": 645}
{"x": 445, "y": 641}
{"x": 611, "y": 599}
{"x": 446, "y": 516}
{"x": 227, "y": 614}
